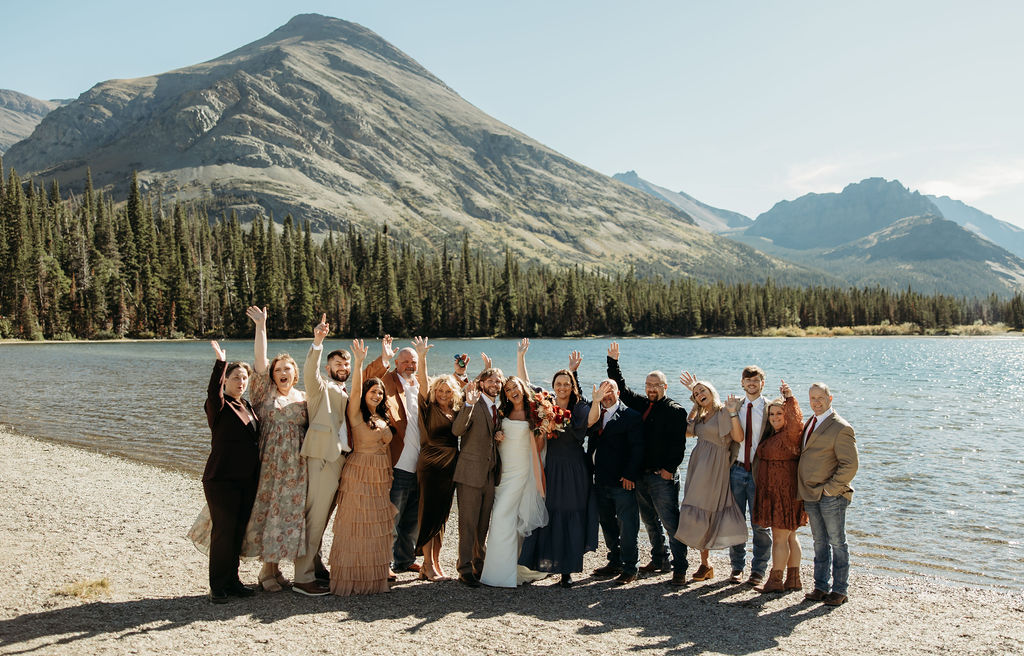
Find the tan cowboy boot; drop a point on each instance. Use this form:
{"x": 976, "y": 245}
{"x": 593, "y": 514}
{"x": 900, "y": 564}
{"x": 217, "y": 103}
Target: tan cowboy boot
{"x": 793, "y": 579}
{"x": 774, "y": 582}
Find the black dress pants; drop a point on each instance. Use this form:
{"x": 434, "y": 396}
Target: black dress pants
{"x": 230, "y": 505}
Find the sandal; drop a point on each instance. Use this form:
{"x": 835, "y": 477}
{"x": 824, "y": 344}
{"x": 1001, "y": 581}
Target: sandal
{"x": 281, "y": 580}
{"x": 270, "y": 584}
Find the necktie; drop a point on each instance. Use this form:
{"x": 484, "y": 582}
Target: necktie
{"x": 494, "y": 415}
{"x": 747, "y": 439}
{"x": 650, "y": 405}
{"x": 600, "y": 421}
{"x": 810, "y": 428}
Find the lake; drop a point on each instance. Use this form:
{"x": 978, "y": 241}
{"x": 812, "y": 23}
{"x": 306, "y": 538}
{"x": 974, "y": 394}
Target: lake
{"x": 939, "y": 421}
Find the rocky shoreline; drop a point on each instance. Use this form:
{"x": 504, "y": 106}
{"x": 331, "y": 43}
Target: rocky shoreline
{"x": 96, "y": 562}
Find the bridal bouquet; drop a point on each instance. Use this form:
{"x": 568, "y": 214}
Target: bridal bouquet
{"x": 546, "y": 416}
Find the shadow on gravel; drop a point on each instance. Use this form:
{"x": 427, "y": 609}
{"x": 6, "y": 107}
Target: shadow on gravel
{"x": 731, "y": 619}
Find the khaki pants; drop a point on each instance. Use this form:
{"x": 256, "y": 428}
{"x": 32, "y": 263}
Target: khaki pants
{"x": 322, "y": 480}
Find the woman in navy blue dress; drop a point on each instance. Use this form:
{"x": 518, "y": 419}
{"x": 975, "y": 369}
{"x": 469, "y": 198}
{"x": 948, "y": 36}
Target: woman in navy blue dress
{"x": 572, "y": 506}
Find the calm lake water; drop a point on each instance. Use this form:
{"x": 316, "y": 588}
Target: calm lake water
{"x": 939, "y": 422}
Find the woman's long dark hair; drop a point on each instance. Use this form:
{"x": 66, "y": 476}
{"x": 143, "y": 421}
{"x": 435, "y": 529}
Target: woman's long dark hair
{"x": 505, "y": 406}
{"x": 574, "y": 395}
{"x": 365, "y": 409}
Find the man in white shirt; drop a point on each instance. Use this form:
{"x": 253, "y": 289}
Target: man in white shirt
{"x": 742, "y": 474}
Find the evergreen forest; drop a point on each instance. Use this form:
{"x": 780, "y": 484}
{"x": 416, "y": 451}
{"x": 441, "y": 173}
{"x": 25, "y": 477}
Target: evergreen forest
{"x": 80, "y": 266}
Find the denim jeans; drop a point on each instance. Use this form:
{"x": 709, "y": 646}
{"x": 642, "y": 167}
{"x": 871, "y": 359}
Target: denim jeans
{"x": 620, "y": 522}
{"x": 827, "y": 518}
{"x": 405, "y": 494}
{"x": 742, "y": 483}
{"x": 658, "y": 500}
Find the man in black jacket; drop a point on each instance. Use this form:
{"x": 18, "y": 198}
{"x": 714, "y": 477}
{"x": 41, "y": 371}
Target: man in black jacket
{"x": 615, "y": 445}
{"x": 657, "y": 489}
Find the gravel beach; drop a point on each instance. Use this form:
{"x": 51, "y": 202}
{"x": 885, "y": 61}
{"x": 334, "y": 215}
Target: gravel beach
{"x": 69, "y": 516}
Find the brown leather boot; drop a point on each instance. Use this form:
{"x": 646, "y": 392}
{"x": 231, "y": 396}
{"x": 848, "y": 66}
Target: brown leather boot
{"x": 793, "y": 579}
{"x": 774, "y": 583}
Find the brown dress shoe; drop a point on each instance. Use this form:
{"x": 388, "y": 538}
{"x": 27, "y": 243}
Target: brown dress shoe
{"x": 470, "y": 580}
{"x": 704, "y": 573}
{"x": 654, "y": 568}
{"x": 815, "y": 595}
{"x": 774, "y": 583}
{"x": 793, "y": 579}
{"x": 834, "y": 599}
{"x": 756, "y": 579}
{"x": 608, "y": 571}
{"x": 736, "y": 576}
{"x": 311, "y": 589}
{"x": 623, "y": 579}
{"x": 678, "y": 579}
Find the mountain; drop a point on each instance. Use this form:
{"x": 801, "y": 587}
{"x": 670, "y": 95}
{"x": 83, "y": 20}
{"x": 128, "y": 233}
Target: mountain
{"x": 710, "y": 218}
{"x": 825, "y": 220}
{"x": 326, "y": 120}
{"x": 20, "y": 114}
{"x": 999, "y": 232}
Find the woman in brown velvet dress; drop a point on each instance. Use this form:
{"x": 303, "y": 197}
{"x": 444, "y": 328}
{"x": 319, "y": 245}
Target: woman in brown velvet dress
{"x": 440, "y": 399}
{"x": 777, "y": 504}
{"x": 363, "y": 525}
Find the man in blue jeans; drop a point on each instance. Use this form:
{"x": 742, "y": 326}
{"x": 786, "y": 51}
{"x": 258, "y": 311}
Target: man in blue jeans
{"x": 753, "y": 416}
{"x": 615, "y": 446}
{"x": 657, "y": 489}
{"x": 828, "y": 463}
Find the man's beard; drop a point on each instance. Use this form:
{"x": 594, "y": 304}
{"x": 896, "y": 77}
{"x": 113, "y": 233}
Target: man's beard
{"x": 338, "y": 378}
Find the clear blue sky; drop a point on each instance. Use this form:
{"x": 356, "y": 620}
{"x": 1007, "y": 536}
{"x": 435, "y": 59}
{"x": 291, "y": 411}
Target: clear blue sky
{"x": 740, "y": 104}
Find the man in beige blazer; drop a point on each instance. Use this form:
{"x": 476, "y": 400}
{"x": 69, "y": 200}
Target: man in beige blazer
{"x": 828, "y": 463}
{"x": 323, "y": 451}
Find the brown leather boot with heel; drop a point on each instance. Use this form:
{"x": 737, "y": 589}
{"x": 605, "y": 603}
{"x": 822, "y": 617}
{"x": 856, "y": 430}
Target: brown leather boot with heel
{"x": 774, "y": 583}
{"x": 793, "y": 579}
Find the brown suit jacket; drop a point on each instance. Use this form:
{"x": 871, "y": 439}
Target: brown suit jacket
{"x": 394, "y": 405}
{"x": 828, "y": 461}
{"x": 478, "y": 452}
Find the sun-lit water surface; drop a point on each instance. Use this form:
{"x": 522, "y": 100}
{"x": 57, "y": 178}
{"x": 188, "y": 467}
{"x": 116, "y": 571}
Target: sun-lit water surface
{"x": 939, "y": 422}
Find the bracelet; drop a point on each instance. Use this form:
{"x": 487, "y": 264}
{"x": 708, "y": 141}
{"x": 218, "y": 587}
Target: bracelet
{"x": 734, "y": 415}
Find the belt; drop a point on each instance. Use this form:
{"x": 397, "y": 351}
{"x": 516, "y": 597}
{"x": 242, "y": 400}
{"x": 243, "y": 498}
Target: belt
{"x": 741, "y": 464}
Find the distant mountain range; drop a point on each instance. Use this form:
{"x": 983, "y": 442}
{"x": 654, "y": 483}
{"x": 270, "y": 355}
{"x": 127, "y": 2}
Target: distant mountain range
{"x": 327, "y": 121}
{"x": 710, "y": 218}
{"x": 20, "y": 114}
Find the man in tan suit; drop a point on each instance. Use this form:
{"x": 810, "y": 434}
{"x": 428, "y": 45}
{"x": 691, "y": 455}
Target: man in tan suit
{"x": 323, "y": 451}
{"x": 828, "y": 463}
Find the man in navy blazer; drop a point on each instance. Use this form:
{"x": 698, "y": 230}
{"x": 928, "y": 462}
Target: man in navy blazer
{"x": 615, "y": 445}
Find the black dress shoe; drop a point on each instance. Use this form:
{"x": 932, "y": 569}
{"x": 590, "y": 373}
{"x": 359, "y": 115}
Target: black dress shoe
{"x": 566, "y": 581}
{"x": 815, "y": 595}
{"x": 607, "y": 571}
{"x": 470, "y": 580}
{"x": 237, "y": 589}
{"x": 218, "y": 597}
{"x": 623, "y": 579}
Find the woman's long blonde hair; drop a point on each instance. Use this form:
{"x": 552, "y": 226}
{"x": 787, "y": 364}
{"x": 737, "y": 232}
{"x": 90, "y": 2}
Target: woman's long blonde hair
{"x": 699, "y": 413}
{"x": 449, "y": 380}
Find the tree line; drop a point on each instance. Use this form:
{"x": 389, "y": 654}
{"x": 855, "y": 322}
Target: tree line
{"x": 82, "y": 266}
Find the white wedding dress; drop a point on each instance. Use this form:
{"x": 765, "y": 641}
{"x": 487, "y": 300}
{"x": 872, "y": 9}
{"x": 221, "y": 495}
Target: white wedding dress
{"x": 519, "y": 506}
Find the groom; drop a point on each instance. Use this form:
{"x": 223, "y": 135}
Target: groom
{"x": 478, "y": 470}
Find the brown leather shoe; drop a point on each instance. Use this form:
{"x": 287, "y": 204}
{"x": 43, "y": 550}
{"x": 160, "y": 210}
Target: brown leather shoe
{"x": 815, "y": 595}
{"x": 793, "y": 579}
{"x": 678, "y": 579}
{"x": 774, "y": 583}
{"x": 704, "y": 573}
{"x": 623, "y": 579}
{"x": 834, "y": 599}
{"x": 736, "y": 576}
{"x": 607, "y": 571}
{"x": 654, "y": 568}
{"x": 311, "y": 589}
{"x": 756, "y": 579}
{"x": 470, "y": 580}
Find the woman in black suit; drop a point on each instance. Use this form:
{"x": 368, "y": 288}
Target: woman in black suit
{"x": 231, "y": 474}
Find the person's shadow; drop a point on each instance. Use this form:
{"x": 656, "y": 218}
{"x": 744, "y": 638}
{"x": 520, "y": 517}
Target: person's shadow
{"x": 701, "y": 617}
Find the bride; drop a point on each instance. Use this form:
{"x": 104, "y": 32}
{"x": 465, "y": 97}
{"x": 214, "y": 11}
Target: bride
{"x": 519, "y": 499}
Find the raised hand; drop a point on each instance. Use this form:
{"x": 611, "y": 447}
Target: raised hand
{"x": 422, "y": 346}
{"x": 359, "y": 351}
{"x": 523, "y": 346}
{"x": 471, "y": 392}
{"x": 613, "y": 350}
{"x": 257, "y": 315}
{"x": 322, "y": 330}
{"x": 575, "y": 360}
{"x": 487, "y": 360}
{"x": 688, "y": 380}
{"x": 221, "y": 353}
{"x": 387, "y": 351}
{"x": 733, "y": 403}
{"x": 461, "y": 362}
{"x": 784, "y": 390}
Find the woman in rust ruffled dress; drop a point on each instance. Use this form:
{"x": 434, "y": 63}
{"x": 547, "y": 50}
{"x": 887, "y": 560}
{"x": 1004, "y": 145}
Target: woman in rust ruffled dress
{"x": 777, "y": 504}
{"x": 363, "y": 525}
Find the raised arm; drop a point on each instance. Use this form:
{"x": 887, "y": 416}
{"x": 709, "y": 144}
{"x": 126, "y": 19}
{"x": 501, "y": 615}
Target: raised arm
{"x": 464, "y": 418}
{"x": 215, "y": 391}
{"x": 732, "y": 406}
{"x": 259, "y": 318}
{"x": 311, "y": 376}
{"x": 355, "y": 400}
{"x": 379, "y": 367}
{"x": 794, "y": 420}
{"x": 521, "y": 349}
{"x": 628, "y": 396}
{"x": 421, "y": 346}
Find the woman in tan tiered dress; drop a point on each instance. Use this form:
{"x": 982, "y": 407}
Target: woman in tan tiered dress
{"x": 363, "y": 525}
{"x": 777, "y": 503}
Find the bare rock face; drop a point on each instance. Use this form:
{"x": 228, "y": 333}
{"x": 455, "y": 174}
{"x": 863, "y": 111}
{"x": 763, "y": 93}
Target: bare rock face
{"x": 324, "y": 119}
{"x": 20, "y": 114}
